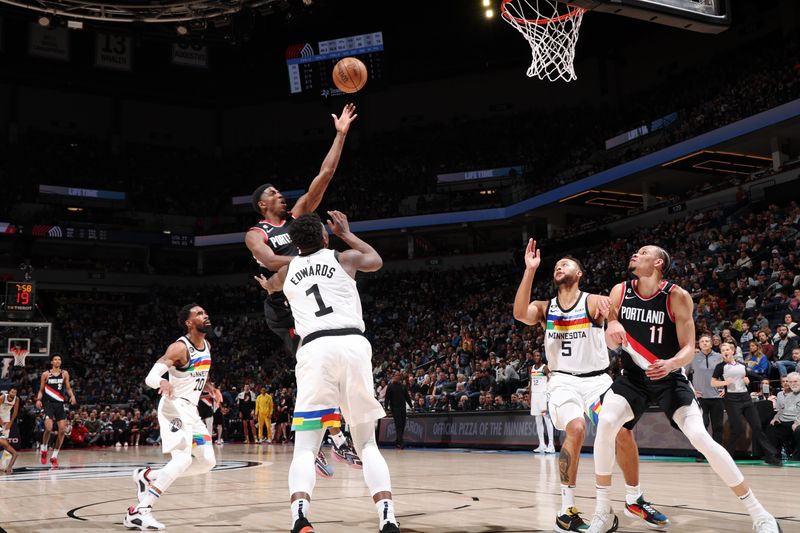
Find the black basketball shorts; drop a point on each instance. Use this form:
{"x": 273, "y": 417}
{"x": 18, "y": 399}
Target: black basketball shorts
{"x": 670, "y": 394}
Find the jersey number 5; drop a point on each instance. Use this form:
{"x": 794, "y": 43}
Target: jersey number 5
{"x": 323, "y": 309}
{"x": 566, "y": 348}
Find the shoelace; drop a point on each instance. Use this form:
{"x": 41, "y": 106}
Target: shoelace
{"x": 648, "y": 507}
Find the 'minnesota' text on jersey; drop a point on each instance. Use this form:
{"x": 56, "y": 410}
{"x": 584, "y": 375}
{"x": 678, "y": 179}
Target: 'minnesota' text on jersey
{"x": 188, "y": 381}
{"x": 649, "y": 326}
{"x": 322, "y": 295}
{"x": 573, "y": 342}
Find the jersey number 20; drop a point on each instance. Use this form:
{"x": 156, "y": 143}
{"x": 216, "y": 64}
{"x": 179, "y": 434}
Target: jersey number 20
{"x": 323, "y": 309}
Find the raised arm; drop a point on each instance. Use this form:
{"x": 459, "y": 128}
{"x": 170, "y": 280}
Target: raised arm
{"x": 311, "y": 200}
{"x": 525, "y": 310}
{"x": 254, "y": 239}
{"x": 68, "y": 386}
{"x": 682, "y": 307}
{"x": 361, "y": 257}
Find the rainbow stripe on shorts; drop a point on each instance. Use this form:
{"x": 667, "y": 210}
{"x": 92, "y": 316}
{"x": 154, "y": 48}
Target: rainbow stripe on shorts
{"x": 199, "y": 440}
{"x": 594, "y": 411}
{"x": 321, "y": 419}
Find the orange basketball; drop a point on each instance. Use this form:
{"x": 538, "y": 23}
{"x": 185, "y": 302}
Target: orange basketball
{"x": 350, "y": 74}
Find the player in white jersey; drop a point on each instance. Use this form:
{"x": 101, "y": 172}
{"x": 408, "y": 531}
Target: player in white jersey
{"x": 334, "y": 361}
{"x": 539, "y": 376}
{"x": 577, "y": 356}
{"x": 187, "y": 362}
{"x": 9, "y": 408}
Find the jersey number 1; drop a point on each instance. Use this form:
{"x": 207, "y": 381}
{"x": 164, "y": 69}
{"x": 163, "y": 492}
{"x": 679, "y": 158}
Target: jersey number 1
{"x": 323, "y": 309}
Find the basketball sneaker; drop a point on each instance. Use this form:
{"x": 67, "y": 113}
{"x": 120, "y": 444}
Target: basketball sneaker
{"x": 603, "y": 522}
{"x": 570, "y": 521}
{"x": 767, "y": 524}
{"x": 43, "y": 457}
{"x": 540, "y": 449}
{"x": 390, "y": 527}
{"x": 550, "y": 449}
{"x": 141, "y": 519}
{"x": 323, "y": 468}
{"x": 644, "y": 511}
{"x": 54, "y": 462}
{"x": 346, "y": 454}
{"x": 302, "y": 525}
{"x": 141, "y": 482}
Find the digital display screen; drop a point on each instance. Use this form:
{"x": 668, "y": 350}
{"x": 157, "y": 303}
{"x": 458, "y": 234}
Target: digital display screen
{"x": 20, "y": 299}
{"x": 310, "y": 68}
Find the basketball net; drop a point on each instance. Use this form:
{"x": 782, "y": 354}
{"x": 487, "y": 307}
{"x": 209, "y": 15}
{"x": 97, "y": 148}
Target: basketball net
{"x": 19, "y": 355}
{"x": 551, "y": 28}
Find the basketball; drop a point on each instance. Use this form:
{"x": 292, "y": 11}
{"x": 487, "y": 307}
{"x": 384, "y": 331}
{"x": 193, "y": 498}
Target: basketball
{"x": 350, "y": 74}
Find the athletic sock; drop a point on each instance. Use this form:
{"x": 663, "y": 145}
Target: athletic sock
{"x": 300, "y": 508}
{"x": 149, "y": 499}
{"x": 567, "y": 498}
{"x": 339, "y": 440}
{"x": 385, "y": 512}
{"x": 632, "y": 493}
{"x": 55, "y": 453}
{"x": 44, "y": 448}
{"x": 603, "y": 498}
{"x": 753, "y": 506}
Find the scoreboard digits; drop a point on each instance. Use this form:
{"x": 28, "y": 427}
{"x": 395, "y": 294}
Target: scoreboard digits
{"x": 20, "y": 299}
{"x": 310, "y": 69}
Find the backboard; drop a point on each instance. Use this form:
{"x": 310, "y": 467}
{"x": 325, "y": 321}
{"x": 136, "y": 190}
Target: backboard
{"x": 35, "y": 336}
{"x": 704, "y": 16}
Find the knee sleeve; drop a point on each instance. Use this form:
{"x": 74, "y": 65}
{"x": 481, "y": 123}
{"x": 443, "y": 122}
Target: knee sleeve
{"x": 690, "y": 421}
{"x": 613, "y": 415}
{"x": 204, "y": 460}
{"x": 376, "y": 471}
{"x": 302, "y": 474}
{"x": 180, "y": 462}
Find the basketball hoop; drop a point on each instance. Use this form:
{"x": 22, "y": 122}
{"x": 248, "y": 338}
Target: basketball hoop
{"x": 19, "y": 355}
{"x": 551, "y": 28}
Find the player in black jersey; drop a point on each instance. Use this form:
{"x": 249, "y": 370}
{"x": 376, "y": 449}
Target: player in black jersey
{"x": 652, "y": 319}
{"x": 272, "y": 248}
{"x": 52, "y": 386}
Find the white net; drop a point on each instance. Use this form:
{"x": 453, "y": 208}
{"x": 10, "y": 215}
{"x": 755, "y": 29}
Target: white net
{"x": 551, "y": 28}
{"x": 20, "y": 354}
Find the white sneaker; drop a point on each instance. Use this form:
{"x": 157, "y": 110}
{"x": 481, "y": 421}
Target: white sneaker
{"x": 125, "y": 445}
{"x": 140, "y": 480}
{"x": 550, "y": 449}
{"x": 141, "y": 519}
{"x": 540, "y": 449}
{"x": 118, "y": 445}
{"x": 603, "y": 522}
{"x": 767, "y": 524}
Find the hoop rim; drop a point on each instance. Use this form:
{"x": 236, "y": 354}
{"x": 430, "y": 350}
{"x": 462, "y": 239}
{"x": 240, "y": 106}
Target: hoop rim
{"x": 20, "y": 354}
{"x": 574, "y": 11}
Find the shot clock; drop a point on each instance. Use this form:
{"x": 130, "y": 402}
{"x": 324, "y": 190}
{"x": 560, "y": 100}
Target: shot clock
{"x": 20, "y": 299}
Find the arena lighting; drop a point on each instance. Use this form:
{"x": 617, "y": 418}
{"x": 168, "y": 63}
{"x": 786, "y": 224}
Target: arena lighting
{"x": 489, "y": 13}
{"x": 181, "y": 29}
{"x": 152, "y": 12}
{"x": 486, "y": 3}
{"x": 75, "y": 209}
{"x": 75, "y": 24}
{"x": 44, "y": 21}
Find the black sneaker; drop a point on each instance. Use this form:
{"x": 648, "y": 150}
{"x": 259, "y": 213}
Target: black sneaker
{"x": 773, "y": 460}
{"x": 390, "y": 527}
{"x": 301, "y": 525}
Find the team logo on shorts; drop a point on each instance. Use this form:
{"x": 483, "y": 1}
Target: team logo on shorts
{"x": 175, "y": 425}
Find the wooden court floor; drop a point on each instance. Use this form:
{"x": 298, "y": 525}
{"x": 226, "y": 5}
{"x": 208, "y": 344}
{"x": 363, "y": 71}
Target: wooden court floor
{"x": 435, "y": 491}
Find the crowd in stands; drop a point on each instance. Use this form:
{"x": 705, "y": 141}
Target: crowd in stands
{"x": 381, "y": 171}
{"x": 449, "y": 333}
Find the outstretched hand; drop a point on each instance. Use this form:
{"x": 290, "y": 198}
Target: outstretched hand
{"x": 533, "y": 257}
{"x": 343, "y": 121}
{"x": 338, "y": 223}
